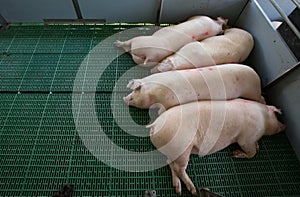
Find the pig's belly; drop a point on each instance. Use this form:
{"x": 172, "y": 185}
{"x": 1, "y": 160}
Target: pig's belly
{"x": 211, "y": 147}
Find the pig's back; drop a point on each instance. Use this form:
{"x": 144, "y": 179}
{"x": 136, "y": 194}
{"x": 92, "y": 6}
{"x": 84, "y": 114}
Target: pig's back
{"x": 220, "y": 82}
{"x": 232, "y": 47}
{"x": 197, "y": 28}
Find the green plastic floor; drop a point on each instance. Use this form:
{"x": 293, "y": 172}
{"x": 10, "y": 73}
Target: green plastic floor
{"x": 40, "y": 148}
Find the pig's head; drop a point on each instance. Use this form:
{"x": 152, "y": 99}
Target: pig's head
{"x": 274, "y": 126}
{"x": 222, "y": 22}
{"x": 140, "y": 97}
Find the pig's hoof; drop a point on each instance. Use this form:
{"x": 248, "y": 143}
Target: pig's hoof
{"x": 238, "y": 154}
{"x": 118, "y": 43}
{"x": 178, "y": 188}
{"x": 193, "y": 191}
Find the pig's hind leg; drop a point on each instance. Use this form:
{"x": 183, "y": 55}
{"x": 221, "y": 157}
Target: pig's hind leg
{"x": 249, "y": 150}
{"x": 175, "y": 179}
{"x": 179, "y": 167}
{"x": 125, "y": 45}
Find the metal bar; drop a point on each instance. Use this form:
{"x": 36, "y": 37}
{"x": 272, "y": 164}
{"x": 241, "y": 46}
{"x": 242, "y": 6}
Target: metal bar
{"x": 74, "y": 21}
{"x": 296, "y": 3}
{"x": 285, "y": 18}
{"x": 158, "y": 15}
{"x": 77, "y": 9}
{"x": 283, "y": 75}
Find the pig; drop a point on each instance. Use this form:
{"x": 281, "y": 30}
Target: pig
{"x": 168, "y": 89}
{"x": 149, "y": 50}
{"x": 205, "y": 127}
{"x": 232, "y": 47}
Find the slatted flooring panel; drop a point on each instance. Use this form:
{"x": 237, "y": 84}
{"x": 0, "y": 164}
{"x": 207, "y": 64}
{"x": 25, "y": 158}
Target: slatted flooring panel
{"x": 41, "y": 148}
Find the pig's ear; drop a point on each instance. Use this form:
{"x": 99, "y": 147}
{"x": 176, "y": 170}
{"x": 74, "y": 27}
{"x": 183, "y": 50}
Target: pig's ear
{"x": 149, "y": 126}
{"x": 223, "y": 22}
{"x": 137, "y": 86}
{"x": 274, "y": 109}
{"x": 278, "y": 111}
{"x": 134, "y": 84}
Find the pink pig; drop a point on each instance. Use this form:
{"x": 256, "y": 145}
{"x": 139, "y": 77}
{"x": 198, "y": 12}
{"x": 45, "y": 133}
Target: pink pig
{"x": 232, "y": 47}
{"x": 167, "y": 40}
{"x": 206, "y": 127}
{"x": 172, "y": 88}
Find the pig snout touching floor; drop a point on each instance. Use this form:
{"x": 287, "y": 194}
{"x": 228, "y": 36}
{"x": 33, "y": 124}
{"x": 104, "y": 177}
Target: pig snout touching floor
{"x": 206, "y": 127}
{"x": 149, "y": 50}
{"x": 232, "y": 47}
{"x": 172, "y": 88}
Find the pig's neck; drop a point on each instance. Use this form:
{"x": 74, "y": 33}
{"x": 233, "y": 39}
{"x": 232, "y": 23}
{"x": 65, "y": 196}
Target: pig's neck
{"x": 164, "y": 97}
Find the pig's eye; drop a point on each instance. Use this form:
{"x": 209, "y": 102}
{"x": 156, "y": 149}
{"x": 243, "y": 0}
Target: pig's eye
{"x": 130, "y": 99}
{"x": 138, "y": 88}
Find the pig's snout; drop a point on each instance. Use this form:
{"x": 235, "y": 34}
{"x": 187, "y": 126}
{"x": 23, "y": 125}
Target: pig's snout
{"x": 162, "y": 67}
{"x": 165, "y": 67}
{"x": 154, "y": 70}
{"x": 127, "y": 99}
{"x": 281, "y": 127}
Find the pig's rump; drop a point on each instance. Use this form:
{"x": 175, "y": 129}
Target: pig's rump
{"x": 197, "y": 28}
{"x": 146, "y": 48}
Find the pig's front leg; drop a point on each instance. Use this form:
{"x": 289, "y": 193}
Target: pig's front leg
{"x": 125, "y": 45}
{"x": 249, "y": 150}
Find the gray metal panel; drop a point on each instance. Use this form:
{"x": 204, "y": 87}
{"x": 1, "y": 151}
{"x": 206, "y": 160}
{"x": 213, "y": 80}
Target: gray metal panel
{"x": 36, "y": 11}
{"x": 179, "y": 10}
{"x": 286, "y": 95}
{"x": 120, "y": 11}
{"x": 286, "y": 5}
{"x": 270, "y": 56}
